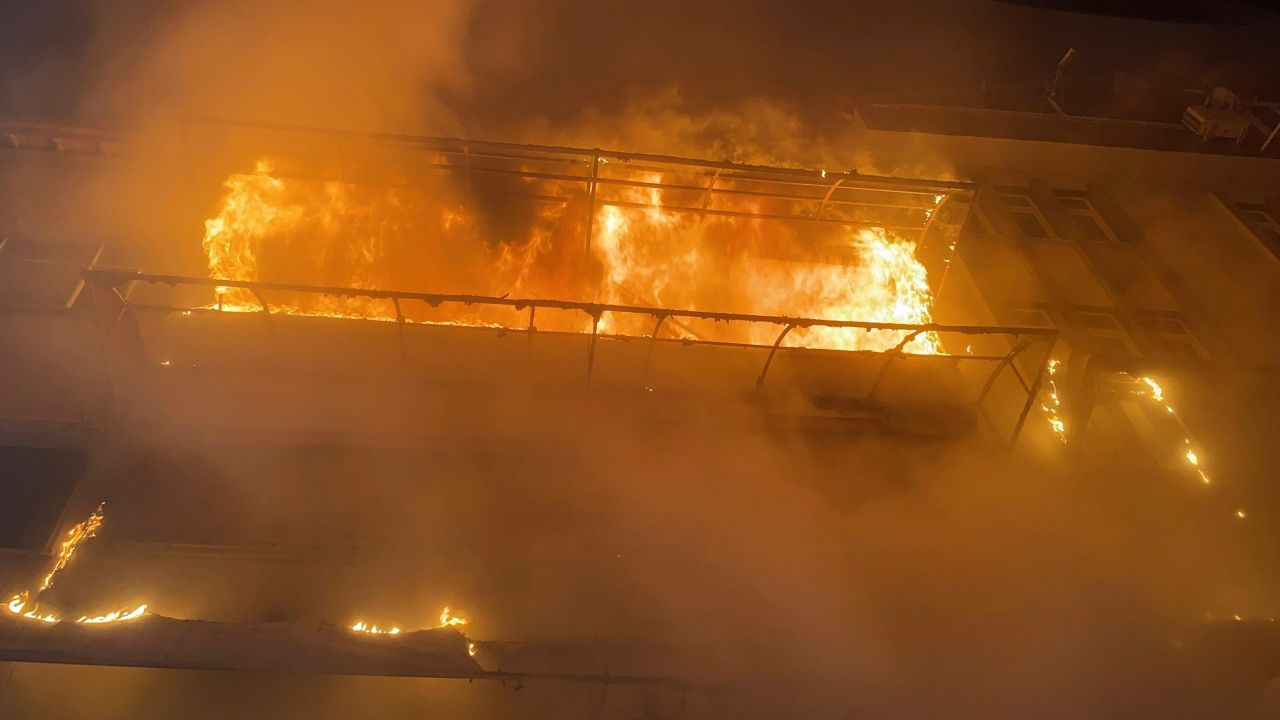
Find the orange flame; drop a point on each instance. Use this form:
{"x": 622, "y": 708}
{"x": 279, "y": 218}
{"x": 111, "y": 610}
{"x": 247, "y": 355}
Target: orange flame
{"x": 1155, "y": 392}
{"x": 362, "y": 626}
{"x": 77, "y": 534}
{"x": 271, "y": 228}
{"x": 449, "y": 620}
{"x": 1052, "y": 402}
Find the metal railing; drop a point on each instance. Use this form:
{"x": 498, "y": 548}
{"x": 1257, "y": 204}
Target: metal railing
{"x": 117, "y": 284}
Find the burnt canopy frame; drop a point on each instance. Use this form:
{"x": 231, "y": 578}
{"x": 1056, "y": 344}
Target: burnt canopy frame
{"x": 582, "y": 175}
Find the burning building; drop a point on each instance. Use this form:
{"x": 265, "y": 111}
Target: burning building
{"x": 615, "y": 413}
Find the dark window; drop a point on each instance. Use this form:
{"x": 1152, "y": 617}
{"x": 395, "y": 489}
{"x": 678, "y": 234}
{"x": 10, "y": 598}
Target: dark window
{"x": 1264, "y": 225}
{"x": 34, "y": 485}
{"x": 1027, "y": 316}
{"x": 1029, "y": 225}
{"x": 1031, "y": 222}
{"x": 1086, "y": 217}
{"x": 1270, "y": 235}
{"x": 1104, "y": 330}
{"x": 1171, "y": 336}
{"x": 1075, "y": 204}
{"x": 1092, "y": 230}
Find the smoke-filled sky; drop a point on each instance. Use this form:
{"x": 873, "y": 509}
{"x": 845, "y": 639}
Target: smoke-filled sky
{"x": 519, "y": 67}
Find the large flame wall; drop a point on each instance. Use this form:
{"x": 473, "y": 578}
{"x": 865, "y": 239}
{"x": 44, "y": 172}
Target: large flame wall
{"x": 437, "y": 237}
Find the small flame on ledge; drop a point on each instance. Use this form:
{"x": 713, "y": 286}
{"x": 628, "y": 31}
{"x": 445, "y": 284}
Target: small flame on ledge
{"x": 447, "y": 619}
{"x": 117, "y": 616}
{"x": 78, "y": 534}
{"x": 364, "y": 627}
{"x": 18, "y": 606}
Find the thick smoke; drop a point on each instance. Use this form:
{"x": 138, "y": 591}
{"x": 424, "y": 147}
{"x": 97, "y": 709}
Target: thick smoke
{"x": 895, "y": 578}
{"x": 378, "y": 65}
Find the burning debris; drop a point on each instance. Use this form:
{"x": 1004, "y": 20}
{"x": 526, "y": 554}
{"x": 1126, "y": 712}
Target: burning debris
{"x": 1145, "y": 387}
{"x": 1052, "y": 404}
{"x": 1156, "y": 394}
{"x": 26, "y": 606}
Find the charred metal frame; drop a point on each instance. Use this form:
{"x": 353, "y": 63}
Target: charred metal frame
{"x": 112, "y": 305}
{"x": 816, "y": 190}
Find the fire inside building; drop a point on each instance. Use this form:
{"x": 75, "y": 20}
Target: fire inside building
{"x": 409, "y": 423}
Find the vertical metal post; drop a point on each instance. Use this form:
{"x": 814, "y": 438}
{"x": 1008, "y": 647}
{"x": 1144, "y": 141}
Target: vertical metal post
{"x": 109, "y": 308}
{"x": 817, "y": 216}
{"x": 894, "y": 353}
{"x": 399, "y": 324}
{"x": 1004, "y": 362}
{"x": 1031, "y": 396}
{"x": 591, "y": 346}
{"x": 79, "y": 287}
{"x": 591, "y": 205}
{"x": 772, "y": 351}
{"x": 266, "y": 310}
{"x": 706, "y": 195}
{"x": 648, "y": 358}
{"x": 528, "y": 346}
{"x": 1270, "y": 137}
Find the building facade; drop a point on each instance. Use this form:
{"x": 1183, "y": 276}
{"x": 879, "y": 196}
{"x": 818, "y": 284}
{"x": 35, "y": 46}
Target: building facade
{"x": 1102, "y": 300}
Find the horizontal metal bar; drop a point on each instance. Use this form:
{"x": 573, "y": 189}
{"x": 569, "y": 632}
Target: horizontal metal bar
{"x": 497, "y": 328}
{"x": 763, "y": 216}
{"x": 119, "y": 277}
{"x": 586, "y": 180}
{"x": 503, "y": 150}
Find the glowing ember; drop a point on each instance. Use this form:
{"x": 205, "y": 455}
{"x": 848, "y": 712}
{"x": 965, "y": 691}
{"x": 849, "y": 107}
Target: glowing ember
{"x": 1052, "y": 404}
{"x": 1156, "y": 393}
{"x": 471, "y": 649}
{"x": 330, "y": 233}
